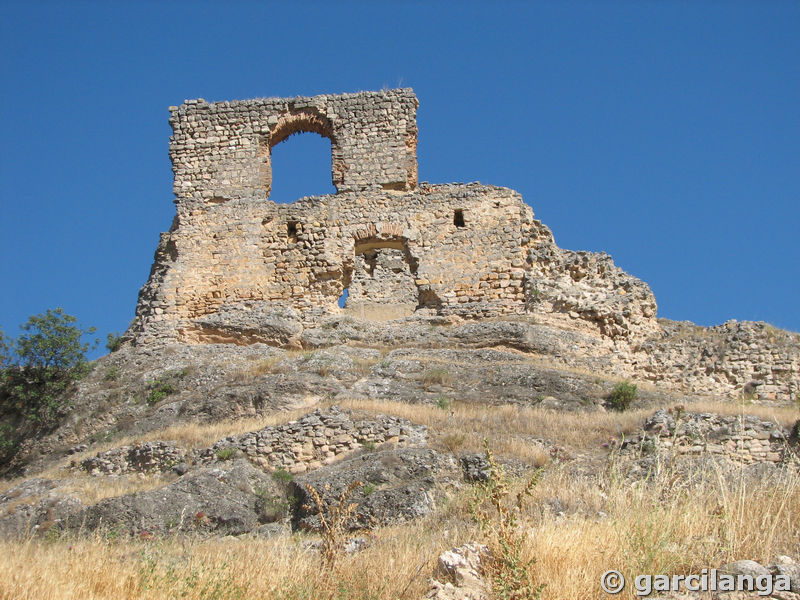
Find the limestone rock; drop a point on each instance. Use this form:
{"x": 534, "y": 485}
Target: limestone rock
{"x": 397, "y": 486}
{"x": 459, "y": 574}
{"x": 229, "y": 499}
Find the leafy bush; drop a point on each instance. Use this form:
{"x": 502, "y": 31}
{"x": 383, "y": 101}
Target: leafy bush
{"x": 272, "y": 507}
{"x": 158, "y": 391}
{"x": 40, "y": 365}
{"x": 442, "y": 402}
{"x": 8, "y": 441}
{"x": 622, "y": 395}
{"x": 282, "y": 475}
{"x": 113, "y": 342}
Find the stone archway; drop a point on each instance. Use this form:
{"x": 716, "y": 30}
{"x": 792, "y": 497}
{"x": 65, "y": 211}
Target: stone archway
{"x": 381, "y": 284}
{"x": 304, "y": 121}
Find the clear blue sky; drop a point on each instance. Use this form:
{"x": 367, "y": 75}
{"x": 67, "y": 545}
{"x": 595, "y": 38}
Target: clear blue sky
{"x": 664, "y": 133}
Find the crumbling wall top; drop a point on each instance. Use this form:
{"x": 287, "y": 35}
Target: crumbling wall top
{"x": 221, "y": 151}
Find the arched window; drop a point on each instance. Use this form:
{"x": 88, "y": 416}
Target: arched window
{"x": 300, "y": 165}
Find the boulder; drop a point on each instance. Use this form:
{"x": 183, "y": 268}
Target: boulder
{"x": 396, "y": 486}
{"x": 226, "y": 499}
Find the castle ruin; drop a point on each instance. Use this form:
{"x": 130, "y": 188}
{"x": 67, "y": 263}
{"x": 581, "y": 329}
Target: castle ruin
{"x": 236, "y": 267}
{"x": 396, "y": 246}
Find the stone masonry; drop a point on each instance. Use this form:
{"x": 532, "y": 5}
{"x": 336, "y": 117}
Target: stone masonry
{"x": 397, "y": 246}
{"x": 236, "y": 267}
{"x": 744, "y": 439}
{"x": 316, "y": 439}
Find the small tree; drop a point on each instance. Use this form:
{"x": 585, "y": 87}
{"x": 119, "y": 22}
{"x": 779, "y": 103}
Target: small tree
{"x": 48, "y": 356}
{"x": 622, "y": 395}
{"x": 53, "y": 340}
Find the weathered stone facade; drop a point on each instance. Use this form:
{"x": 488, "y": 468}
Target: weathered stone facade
{"x": 238, "y": 268}
{"x": 398, "y": 247}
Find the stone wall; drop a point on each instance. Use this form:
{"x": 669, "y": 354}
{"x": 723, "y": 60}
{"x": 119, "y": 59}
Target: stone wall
{"x": 745, "y": 359}
{"x": 319, "y": 438}
{"x": 460, "y": 249}
{"x": 148, "y": 457}
{"x": 221, "y": 151}
{"x": 744, "y": 439}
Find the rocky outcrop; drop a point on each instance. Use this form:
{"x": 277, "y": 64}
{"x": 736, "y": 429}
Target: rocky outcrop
{"x": 396, "y": 486}
{"x": 229, "y": 498}
{"x": 744, "y": 439}
{"x": 36, "y": 506}
{"x": 586, "y": 290}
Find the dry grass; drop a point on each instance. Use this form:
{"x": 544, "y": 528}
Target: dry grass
{"x": 438, "y": 376}
{"x": 363, "y": 366}
{"x": 575, "y": 527}
{"x": 259, "y": 368}
{"x": 510, "y": 427}
{"x": 460, "y": 428}
{"x": 785, "y": 416}
{"x": 649, "y": 528}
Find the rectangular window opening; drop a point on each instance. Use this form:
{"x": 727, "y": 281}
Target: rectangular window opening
{"x": 458, "y": 218}
{"x": 291, "y": 230}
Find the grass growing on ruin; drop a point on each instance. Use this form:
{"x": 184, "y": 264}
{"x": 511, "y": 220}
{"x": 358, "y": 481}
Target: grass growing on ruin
{"x": 574, "y": 528}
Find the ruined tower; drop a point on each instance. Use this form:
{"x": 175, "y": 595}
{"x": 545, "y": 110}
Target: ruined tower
{"x": 233, "y": 258}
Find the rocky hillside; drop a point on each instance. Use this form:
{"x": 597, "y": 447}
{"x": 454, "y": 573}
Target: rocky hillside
{"x": 263, "y": 442}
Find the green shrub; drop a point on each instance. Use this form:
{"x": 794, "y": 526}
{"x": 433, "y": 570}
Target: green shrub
{"x": 282, "y": 475}
{"x": 622, "y": 395}
{"x": 113, "y": 342}
{"x": 442, "y": 402}
{"x": 272, "y": 507}
{"x": 158, "y": 391}
{"x": 8, "y": 441}
{"x": 38, "y": 367}
{"x": 112, "y": 374}
{"x": 226, "y": 453}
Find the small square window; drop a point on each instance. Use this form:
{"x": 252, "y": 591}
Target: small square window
{"x": 458, "y": 218}
{"x": 291, "y": 230}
